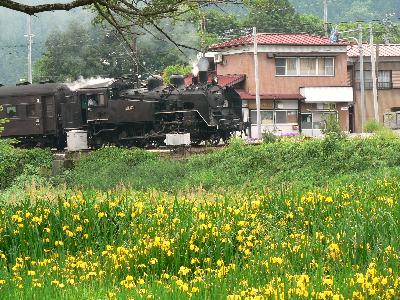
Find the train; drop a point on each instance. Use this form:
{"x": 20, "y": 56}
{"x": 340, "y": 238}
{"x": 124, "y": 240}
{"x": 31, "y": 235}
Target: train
{"x": 119, "y": 112}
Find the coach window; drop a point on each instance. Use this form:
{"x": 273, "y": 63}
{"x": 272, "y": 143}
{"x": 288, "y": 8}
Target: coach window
{"x": 102, "y": 100}
{"x": 31, "y": 110}
{"x": 11, "y": 111}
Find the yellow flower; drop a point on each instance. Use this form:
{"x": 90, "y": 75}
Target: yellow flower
{"x": 183, "y": 271}
{"x": 101, "y": 215}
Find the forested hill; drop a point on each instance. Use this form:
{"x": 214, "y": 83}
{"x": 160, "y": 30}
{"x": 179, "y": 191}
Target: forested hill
{"x": 13, "y": 43}
{"x": 350, "y": 10}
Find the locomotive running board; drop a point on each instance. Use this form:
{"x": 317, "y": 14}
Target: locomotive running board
{"x": 185, "y": 111}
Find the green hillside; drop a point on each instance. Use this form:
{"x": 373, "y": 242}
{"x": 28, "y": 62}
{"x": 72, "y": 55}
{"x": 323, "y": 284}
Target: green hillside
{"x": 13, "y": 43}
{"x": 350, "y": 10}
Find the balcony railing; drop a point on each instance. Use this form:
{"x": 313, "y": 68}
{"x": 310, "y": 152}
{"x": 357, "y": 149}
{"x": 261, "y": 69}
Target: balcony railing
{"x": 380, "y": 85}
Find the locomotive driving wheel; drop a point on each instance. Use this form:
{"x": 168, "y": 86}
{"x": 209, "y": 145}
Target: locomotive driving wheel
{"x": 214, "y": 140}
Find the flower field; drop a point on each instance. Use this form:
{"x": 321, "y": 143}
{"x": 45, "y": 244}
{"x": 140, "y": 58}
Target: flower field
{"x": 336, "y": 243}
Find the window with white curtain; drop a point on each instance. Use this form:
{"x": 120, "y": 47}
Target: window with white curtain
{"x": 305, "y": 66}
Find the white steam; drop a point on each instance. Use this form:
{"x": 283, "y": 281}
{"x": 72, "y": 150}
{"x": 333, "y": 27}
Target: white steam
{"x": 203, "y": 64}
{"x": 83, "y": 83}
{"x": 195, "y": 70}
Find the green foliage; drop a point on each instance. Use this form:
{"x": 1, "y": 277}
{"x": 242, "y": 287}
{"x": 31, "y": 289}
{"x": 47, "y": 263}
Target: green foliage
{"x": 109, "y": 166}
{"x": 177, "y": 70}
{"x": 372, "y": 126}
{"x": 2, "y": 121}
{"x": 380, "y": 131}
{"x": 21, "y": 164}
{"x": 279, "y": 16}
{"x": 332, "y": 126}
{"x": 122, "y": 243}
{"x": 348, "y": 10}
{"x": 383, "y": 32}
{"x": 87, "y": 50}
{"x": 302, "y": 163}
{"x": 269, "y": 137}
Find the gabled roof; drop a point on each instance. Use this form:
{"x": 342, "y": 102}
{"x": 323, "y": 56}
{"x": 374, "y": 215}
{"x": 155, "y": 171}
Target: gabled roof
{"x": 385, "y": 50}
{"x": 295, "y": 39}
{"x": 223, "y": 80}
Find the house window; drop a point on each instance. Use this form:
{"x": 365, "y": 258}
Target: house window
{"x": 305, "y": 66}
{"x": 308, "y": 66}
{"x": 280, "y": 65}
{"x": 286, "y": 117}
{"x": 267, "y": 117}
{"x": 384, "y": 80}
{"x": 277, "y": 117}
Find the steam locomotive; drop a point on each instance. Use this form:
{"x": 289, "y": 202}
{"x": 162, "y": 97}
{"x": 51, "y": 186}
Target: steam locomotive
{"x": 120, "y": 113}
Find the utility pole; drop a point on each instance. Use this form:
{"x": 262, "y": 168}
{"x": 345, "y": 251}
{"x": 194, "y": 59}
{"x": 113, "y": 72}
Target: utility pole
{"x": 362, "y": 83}
{"x": 373, "y": 70}
{"x": 326, "y": 17}
{"x": 136, "y": 56}
{"x": 30, "y": 37}
{"x": 257, "y": 81}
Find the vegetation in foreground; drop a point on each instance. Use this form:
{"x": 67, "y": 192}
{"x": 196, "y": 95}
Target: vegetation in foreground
{"x": 336, "y": 243}
{"x": 286, "y": 219}
{"x": 288, "y": 163}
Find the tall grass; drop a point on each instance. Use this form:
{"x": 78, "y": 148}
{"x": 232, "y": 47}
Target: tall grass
{"x": 299, "y": 163}
{"x": 340, "y": 243}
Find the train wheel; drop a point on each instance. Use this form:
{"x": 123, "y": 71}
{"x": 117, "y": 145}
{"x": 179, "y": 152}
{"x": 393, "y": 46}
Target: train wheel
{"x": 214, "y": 140}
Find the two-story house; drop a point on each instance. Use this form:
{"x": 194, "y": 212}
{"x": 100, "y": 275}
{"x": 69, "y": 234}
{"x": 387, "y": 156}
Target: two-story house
{"x": 388, "y": 84}
{"x": 303, "y": 79}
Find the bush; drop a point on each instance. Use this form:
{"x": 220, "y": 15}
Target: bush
{"x": 332, "y": 127}
{"x": 305, "y": 163}
{"x": 16, "y": 162}
{"x": 372, "y": 126}
{"x": 269, "y": 137}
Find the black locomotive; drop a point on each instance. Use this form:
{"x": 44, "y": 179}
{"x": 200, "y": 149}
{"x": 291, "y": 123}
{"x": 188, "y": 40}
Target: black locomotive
{"x": 120, "y": 113}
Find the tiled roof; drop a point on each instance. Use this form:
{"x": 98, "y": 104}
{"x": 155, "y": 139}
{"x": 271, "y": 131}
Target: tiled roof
{"x": 247, "y": 96}
{"x": 223, "y": 80}
{"x": 389, "y": 50}
{"x": 299, "y": 39}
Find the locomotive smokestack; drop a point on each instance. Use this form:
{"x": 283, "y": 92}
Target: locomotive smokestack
{"x": 203, "y": 65}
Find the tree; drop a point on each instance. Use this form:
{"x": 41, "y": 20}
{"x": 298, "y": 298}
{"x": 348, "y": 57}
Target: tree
{"x": 123, "y": 15}
{"x": 280, "y": 16}
{"x": 387, "y": 32}
{"x": 177, "y": 70}
{"x": 93, "y": 50}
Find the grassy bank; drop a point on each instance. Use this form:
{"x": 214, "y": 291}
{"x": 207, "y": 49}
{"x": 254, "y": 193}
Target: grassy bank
{"x": 288, "y": 163}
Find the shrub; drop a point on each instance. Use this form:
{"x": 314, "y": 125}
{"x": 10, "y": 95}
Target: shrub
{"x": 269, "y": 137}
{"x": 332, "y": 127}
{"x": 15, "y": 162}
{"x": 372, "y": 126}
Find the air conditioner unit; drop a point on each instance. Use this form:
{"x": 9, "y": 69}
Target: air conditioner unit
{"x": 218, "y": 58}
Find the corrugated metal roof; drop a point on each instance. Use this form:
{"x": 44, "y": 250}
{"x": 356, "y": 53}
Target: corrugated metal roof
{"x": 247, "y": 96}
{"x": 385, "y": 50}
{"x": 296, "y": 39}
